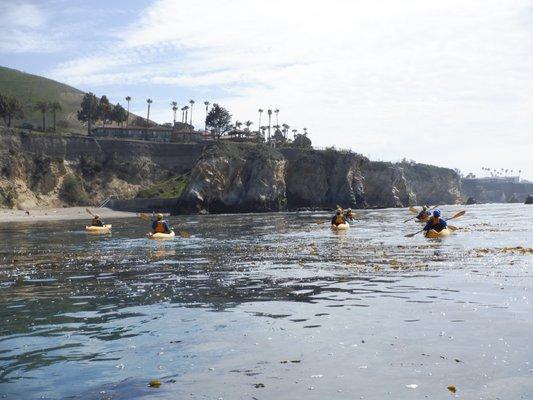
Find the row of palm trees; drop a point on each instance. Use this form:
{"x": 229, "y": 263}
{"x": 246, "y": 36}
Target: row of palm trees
{"x": 495, "y": 172}
{"x": 43, "y": 107}
{"x": 186, "y": 118}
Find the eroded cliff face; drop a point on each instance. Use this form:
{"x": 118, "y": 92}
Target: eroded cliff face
{"x": 47, "y": 171}
{"x": 236, "y": 178}
{"x": 44, "y": 170}
{"x": 322, "y": 178}
{"x": 233, "y": 177}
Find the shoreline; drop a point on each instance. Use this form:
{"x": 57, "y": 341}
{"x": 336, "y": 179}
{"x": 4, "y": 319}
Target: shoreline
{"x": 54, "y": 214}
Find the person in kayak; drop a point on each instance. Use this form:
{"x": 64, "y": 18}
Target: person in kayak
{"x": 160, "y": 225}
{"x": 424, "y": 214}
{"x": 349, "y": 216}
{"x": 96, "y": 221}
{"x": 338, "y": 218}
{"x": 436, "y": 222}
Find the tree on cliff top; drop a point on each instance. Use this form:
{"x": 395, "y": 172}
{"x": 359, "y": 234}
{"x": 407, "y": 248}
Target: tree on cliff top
{"x": 89, "y": 110}
{"x": 10, "y": 109}
{"x": 119, "y": 114}
{"x": 219, "y": 119}
{"x": 104, "y": 109}
{"x": 54, "y": 107}
{"x": 302, "y": 141}
{"x": 42, "y": 107}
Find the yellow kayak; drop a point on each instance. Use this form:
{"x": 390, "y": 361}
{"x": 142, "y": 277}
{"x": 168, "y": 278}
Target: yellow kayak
{"x": 340, "y": 227}
{"x": 161, "y": 236}
{"x": 98, "y": 229}
{"x": 433, "y": 234}
{"x": 422, "y": 220}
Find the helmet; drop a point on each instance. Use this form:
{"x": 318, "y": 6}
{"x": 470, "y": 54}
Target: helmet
{"x": 436, "y": 213}
{"x": 96, "y": 216}
{"x": 349, "y": 210}
{"x": 159, "y": 217}
{"x": 424, "y": 208}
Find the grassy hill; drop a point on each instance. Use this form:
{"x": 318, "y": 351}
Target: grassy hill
{"x": 29, "y": 89}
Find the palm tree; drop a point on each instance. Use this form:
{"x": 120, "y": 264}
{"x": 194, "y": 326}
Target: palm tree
{"x": 247, "y": 124}
{"x": 260, "y": 112}
{"x": 206, "y": 104}
{"x": 54, "y": 107}
{"x": 42, "y": 106}
{"x": 269, "y": 118}
{"x": 128, "y": 99}
{"x": 285, "y": 130}
{"x": 149, "y": 101}
{"x": 186, "y": 108}
{"x": 263, "y": 129}
{"x": 305, "y": 131}
{"x": 277, "y": 112}
{"x": 192, "y": 103}
{"x": 294, "y": 132}
{"x": 174, "y": 105}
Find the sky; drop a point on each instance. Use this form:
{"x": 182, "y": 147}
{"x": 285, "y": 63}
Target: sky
{"x": 448, "y": 82}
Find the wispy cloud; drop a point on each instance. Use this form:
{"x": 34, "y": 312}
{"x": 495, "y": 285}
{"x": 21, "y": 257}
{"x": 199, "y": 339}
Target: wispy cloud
{"x": 20, "y": 24}
{"x": 386, "y": 77}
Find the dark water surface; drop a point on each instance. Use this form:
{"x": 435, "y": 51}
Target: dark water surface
{"x": 269, "y": 306}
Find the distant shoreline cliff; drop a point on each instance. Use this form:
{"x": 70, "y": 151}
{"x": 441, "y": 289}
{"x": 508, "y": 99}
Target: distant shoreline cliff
{"x": 44, "y": 170}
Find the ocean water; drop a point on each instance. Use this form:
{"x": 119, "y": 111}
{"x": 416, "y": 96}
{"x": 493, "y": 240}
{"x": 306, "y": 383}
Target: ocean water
{"x": 270, "y": 306}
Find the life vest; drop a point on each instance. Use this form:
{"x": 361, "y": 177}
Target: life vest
{"x": 339, "y": 219}
{"x": 434, "y": 221}
{"x": 159, "y": 227}
{"x": 96, "y": 222}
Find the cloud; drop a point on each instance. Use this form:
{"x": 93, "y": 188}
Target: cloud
{"x": 22, "y": 29}
{"x": 386, "y": 78}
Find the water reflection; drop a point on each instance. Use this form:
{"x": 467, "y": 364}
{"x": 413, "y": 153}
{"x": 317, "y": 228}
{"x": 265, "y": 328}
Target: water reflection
{"x": 272, "y": 299}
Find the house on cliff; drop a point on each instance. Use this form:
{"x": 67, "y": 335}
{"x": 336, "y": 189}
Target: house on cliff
{"x": 180, "y": 133}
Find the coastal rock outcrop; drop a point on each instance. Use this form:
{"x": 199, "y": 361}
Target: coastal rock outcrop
{"x": 324, "y": 178}
{"x": 236, "y": 177}
{"x": 386, "y": 186}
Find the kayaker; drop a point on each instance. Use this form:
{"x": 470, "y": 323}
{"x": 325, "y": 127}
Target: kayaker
{"x": 436, "y": 222}
{"x": 424, "y": 214}
{"x": 338, "y": 218}
{"x": 349, "y": 216}
{"x": 160, "y": 225}
{"x": 96, "y": 221}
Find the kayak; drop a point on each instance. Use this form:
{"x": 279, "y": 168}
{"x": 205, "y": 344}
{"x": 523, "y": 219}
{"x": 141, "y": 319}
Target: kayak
{"x": 161, "y": 236}
{"x": 98, "y": 229}
{"x": 433, "y": 234}
{"x": 340, "y": 227}
{"x": 422, "y": 220}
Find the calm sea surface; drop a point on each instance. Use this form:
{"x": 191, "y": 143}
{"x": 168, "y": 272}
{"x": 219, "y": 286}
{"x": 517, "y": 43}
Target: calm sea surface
{"x": 270, "y": 306}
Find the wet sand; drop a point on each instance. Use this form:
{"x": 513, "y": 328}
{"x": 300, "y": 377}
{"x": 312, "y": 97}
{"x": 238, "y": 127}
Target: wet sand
{"x": 54, "y": 214}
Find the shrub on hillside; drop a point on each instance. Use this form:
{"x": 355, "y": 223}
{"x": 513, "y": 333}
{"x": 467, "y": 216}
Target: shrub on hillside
{"x": 73, "y": 192}
{"x": 89, "y": 167}
{"x": 8, "y": 196}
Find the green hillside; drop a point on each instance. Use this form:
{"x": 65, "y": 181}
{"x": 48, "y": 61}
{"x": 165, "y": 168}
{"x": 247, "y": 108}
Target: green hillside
{"x": 29, "y": 89}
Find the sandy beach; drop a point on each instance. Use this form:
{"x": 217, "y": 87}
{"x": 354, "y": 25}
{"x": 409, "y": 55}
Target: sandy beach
{"x": 51, "y": 214}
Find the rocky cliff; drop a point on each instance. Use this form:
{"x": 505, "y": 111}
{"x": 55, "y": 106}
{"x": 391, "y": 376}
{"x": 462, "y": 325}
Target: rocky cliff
{"x": 46, "y": 170}
{"x": 233, "y": 177}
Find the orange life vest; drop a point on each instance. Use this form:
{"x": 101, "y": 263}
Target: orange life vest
{"x": 339, "y": 220}
{"x": 435, "y": 221}
{"x": 159, "y": 227}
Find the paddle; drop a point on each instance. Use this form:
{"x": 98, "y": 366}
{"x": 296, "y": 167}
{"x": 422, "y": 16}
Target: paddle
{"x": 89, "y": 212}
{"x": 459, "y": 214}
{"x": 432, "y": 208}
{"x": 144, "y": 216}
